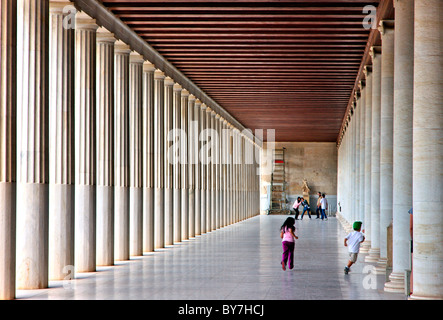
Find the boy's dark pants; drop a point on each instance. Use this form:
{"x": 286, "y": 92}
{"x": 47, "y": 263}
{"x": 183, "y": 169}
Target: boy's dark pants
{"x": 288, "y": 253}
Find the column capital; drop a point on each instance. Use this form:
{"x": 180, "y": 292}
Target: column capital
{"x": 367, "y": 69}
{"x": 148, "y": 66}
{"x": 85, "y": 22}
{"x": 104, "y": 35}
{"x": 185, "y": 93}
{"x": 203, "y": 106}
{"x": 135, "y": 57}
{"x": 169, "y": 81}
{"x": 159, "y": 75}
{"x": 374, "y": 51}
{"x": 58, "y": 6}
{"x": 385, "y": 26}
{"x": 121, "y": 47}
{"x": 198, "y": 103}
{"x": 191, "y": 97}
{"x": 177, "y": 87}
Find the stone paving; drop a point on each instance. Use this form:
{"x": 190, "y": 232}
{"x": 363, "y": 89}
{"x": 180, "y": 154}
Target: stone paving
{"x": 238, "y": 262}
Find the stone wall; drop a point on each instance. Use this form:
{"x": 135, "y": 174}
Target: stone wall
{"x": 314, "y": 161}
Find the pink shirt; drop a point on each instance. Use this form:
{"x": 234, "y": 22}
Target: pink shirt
{"x": 296, "y": 204}
{"x": 287, "y": 236}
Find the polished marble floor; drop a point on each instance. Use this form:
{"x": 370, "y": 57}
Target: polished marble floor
{"x": 241, "y": 261}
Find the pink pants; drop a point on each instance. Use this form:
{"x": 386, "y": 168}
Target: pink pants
{"x": 288, "y": 253}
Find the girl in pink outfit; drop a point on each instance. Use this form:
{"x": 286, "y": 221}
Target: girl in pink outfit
{"x": 288, "y": 242}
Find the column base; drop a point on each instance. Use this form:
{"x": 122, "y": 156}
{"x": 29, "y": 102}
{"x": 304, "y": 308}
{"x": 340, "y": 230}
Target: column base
{"x": 365, "y": 246}
{"x": 32, "y": 236}
{"x": 380, "y": 268}
{"x": 374, "y": 255}
{"x": 396, "y": 283}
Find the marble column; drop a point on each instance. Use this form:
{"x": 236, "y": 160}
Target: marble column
{"x": 148, "y": 156}
{"x": 361, "y": 209}
{"x": 175, "y": 156}
{"x": 198, "y": 165}
{"x": 217, "y": 180}
{"x": 159, "y": 159}
{"x": 85, "y": 144}
{"x": 121, "y": 147}
{"x": 386, "y": 138}
{"x": 184, "y": 165}
{"x": 209, "y": 177}
{"x": 8, "y": 109}
{"x": 202, "y": 158}
{"x": 368, "y": 149}
{"x": 105, "y": 147}
{"x": 135, "y": 154}
{"x": 192, "y": 133}
{"x": 224, "y": 164}
{"x": 427, "y": 150}
{"x": 169, "y": 169}
{"x": 402, "y": 142}
{"x": 32, "y": 144}
{"x": 374, "y": 251}
{"x": 61, "y": 143}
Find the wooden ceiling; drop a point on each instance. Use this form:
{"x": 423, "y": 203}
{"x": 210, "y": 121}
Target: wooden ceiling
{"x": 284, "y": 65}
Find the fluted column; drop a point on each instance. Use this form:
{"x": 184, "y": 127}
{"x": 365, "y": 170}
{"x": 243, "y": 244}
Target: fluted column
{"x": 208, "y": 154}
{"x": 136, "y": 154}
{"x": 159, "y": 159}
{"x": 61, "y": 143}
{"x": 32, "y": 144}
{"x": 8, "y": 147}
{"x": 85, "y": 144}
{"x": 148, "y": 156}
{"x": 427, "y": 151}
{"x": 175, "y": 158}
{"x": 361, "y": 209}
{"x": 368, "y": 145}
{"x": 198, "y": 170}
{"x": 184, "y": 165}
{"x": 192, "y": 133}
{"x": 169, "y": 169}
{"x": 105, "y": 147}
{"x": 121, "y": 159}
{"x": 202, "y": 158}
{"x": 386, "y": 138}
{"x": 214, "y": 154}
{"x": 374, "y": 251}
{"x": 217, "y": 180}
{"x": 402, "y": 141}
{"x": 224, "y": 165}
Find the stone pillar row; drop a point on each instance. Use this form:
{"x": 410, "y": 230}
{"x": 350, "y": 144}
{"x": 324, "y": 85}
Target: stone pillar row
{"x": 86, "y": 143}
{"x": 390, "y": 151}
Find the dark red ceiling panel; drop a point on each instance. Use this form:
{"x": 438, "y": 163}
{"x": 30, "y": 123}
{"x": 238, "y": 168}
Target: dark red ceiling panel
{"x": 284, "y": 65}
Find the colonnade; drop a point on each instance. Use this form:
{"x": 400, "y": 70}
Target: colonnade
{"x": 390, "y": 151}
{"x": 103, "y": 156}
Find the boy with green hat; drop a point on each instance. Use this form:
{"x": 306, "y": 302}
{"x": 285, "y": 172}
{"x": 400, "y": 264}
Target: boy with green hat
{"x": 352, "y": 241}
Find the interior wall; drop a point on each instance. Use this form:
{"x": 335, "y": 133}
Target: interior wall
{"x": 314, "y": 161}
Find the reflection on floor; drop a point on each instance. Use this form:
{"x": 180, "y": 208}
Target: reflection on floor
{"x": 241, "y": 261}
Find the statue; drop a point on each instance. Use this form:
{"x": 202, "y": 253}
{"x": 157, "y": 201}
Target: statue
{"x": 305, "y": 190}
{"x": 305, "y": 187}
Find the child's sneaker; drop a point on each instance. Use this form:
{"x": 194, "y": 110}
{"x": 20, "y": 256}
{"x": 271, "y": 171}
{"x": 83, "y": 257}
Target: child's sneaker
{"x": 347, "y": 270}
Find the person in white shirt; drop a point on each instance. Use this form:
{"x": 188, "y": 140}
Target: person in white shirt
{"x": 324, "y": 207}
{"x": 352, "y": 241}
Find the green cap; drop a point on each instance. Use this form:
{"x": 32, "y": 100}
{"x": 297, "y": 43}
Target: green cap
{"x": 357, "y": 225}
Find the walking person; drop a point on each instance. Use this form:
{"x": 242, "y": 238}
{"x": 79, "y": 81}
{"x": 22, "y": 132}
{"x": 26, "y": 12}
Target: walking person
{"x": 295, "y": 207}
{"x": 287, "y": 234}
{"x": 352, "y": 241}
{"x": 318, "y": 210}
{"x": 324, "y": 207}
